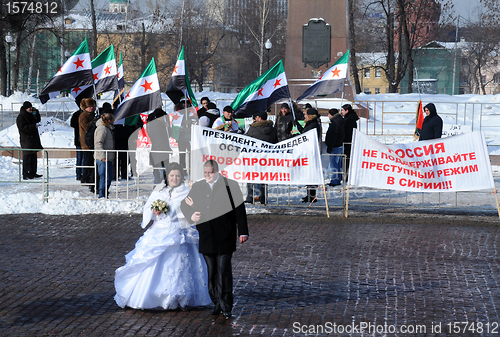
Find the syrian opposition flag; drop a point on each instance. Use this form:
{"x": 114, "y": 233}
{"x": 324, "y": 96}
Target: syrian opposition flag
{"x": 179, "y": 85}
{"x": 176, "y": 123}
{"x": 331, "y": 82}
{"x": 105, "y": 76}
{"x": 121, "y": 81}
{"x": 75, "y": 72}
{"x": 262, "y": 93}
{"x": 419, "y": 119}
{"x": 144, "y": 95}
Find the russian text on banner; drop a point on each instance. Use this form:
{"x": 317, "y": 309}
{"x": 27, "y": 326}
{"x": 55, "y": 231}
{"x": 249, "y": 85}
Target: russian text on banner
{"x": 459, "y": 163}
{"x": 296, "y": 161}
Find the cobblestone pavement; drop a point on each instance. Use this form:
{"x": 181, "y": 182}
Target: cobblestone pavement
{"x": 296, "y": 275}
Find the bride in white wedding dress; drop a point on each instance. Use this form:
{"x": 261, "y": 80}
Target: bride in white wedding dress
{"x": 165, "y": 270}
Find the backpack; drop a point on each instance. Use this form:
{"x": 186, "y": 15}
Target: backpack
{"x": 89, "y": 135}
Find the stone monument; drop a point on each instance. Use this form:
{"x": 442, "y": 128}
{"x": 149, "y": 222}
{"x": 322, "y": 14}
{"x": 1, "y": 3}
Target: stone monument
{"x": 314, "y": 13}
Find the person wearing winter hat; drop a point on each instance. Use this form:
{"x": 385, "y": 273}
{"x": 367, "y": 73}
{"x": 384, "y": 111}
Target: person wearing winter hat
{"x": 226, "y": 122}
{"x": 432, "y": 127}
{"x": 284, "y": 123}
{"x": 29, "y": 138}
{"x": 313, "y": 122}
{"x": 211, "y": 112}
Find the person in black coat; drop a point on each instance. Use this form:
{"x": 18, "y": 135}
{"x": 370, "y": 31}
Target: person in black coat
{"x": 284, "y": 123}
{"x": 158, "y": 128}
{"x": 313, "y": 122}
{"x": 334, "y": 140}
{"x": 74, "y": 123}
{"x": 261, "y": 129}
{"x": 216, "y": 205}
{"x": 432, "y": 127}
{"x": 350, "y": 123}
{"x": 29, "y": 138}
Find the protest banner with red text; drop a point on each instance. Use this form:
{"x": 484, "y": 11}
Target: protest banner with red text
{"x": 459, "y": 163}
{"x": 296, "y": 161}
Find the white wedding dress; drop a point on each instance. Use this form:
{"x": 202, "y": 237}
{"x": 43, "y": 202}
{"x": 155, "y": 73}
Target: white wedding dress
{"x": 165, "y": 270}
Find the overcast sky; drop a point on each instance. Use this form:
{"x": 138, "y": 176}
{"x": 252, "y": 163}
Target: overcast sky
{"x": 467, "y": 9}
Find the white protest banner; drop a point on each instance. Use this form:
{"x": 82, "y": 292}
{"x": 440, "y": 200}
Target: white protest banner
{"x": 246, "y": 159}
{"x": 459, "y": 163}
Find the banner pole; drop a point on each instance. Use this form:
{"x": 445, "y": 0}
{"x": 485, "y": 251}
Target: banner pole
{"x": 326, "y": 201}
{"x": 496, "y": 198}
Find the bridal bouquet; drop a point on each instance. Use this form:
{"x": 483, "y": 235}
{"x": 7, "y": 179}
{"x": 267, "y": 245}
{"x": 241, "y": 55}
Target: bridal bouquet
{"x": 160, "y": 205}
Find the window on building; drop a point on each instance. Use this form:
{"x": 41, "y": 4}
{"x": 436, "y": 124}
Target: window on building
{"x": 377, "y": 90}
{"x": 367, "y": 91}
{"x": 367, "y": 73}
{"x": 378, "y": 73}
{"x": 496, "y": 78}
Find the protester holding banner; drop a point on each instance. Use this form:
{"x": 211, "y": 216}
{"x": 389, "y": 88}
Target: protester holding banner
{"x": 350, "y": 123}
{"x": 261, "y": 129}
{"x": 334, "y": 140}
{"x": 313, "y": 122}
{"x": 226, "y": 122}
{"x": 284, "y": 124}
{"x": 432, "y": 127}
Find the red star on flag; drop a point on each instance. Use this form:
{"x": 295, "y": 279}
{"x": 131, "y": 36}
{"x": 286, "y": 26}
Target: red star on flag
{"x": 118, "y": 75}
{"x": 175, "y": 69}
{"x": 277, "y": 83}
{"x": 260, "y": 92}
{"x": 336, "y": 72}
{"x": 95, "y": 77}
{"x": 128, "y": 95}
{"x": 79, "y": 63}
{"x": 107, "y": 70}
{"x": 175, "y": 117}
{"x": 76, "y": 90}
{"x": 147, "y": 86}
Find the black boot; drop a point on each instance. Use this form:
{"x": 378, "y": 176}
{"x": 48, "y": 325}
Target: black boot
{"x": 311, "y": 195}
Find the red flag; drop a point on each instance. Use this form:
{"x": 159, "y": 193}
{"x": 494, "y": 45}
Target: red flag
{"x": 419, "y": 119}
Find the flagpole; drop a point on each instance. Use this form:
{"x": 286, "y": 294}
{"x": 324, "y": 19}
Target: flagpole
{"x": 293, "y": 111}
{"x": 346, "y": 208}
{"x": 326, "y": 201}
{"x": 496, "y": 198}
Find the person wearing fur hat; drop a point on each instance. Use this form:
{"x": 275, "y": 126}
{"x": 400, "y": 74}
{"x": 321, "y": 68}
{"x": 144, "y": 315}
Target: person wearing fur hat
{"x": 261, "y": 129}
{"x": 103, "y": 143}
{"x": 313, "y": 122}
{"x": 88, "y": 107}
{"x": 432, "y": 127}
{"x": 29, "y": 138}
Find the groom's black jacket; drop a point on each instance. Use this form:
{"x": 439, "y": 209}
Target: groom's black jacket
{"x": 219, "y": 225}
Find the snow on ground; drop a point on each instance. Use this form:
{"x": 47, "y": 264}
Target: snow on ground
{"x": 67, "y": 196}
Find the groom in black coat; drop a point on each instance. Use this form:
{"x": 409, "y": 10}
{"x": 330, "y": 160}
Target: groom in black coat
{"x": 216, "y": 205}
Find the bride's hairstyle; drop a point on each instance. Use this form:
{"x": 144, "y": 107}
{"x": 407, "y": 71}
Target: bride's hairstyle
{"x": 174, "y": 167}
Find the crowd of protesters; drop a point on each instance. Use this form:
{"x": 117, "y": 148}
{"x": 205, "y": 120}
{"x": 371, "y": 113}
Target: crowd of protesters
{"x": 99, "y": 157}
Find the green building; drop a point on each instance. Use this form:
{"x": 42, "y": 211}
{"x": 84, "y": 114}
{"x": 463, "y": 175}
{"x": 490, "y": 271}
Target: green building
{"x": 435, "y": 62}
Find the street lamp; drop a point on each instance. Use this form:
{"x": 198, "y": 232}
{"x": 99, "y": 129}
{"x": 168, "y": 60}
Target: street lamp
{"x": 8, "y": 39}
{"x": 268, "y": 46}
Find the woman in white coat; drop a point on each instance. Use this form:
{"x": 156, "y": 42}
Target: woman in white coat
{"x": 165, "y": 270}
